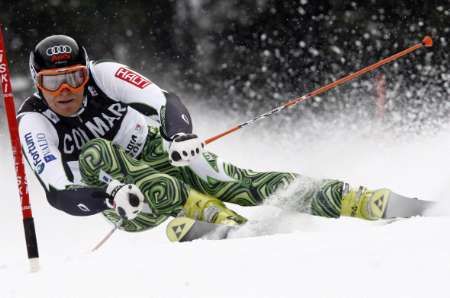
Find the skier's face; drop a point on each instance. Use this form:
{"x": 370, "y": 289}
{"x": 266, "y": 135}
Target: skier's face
{"x": 63, "y": 88}
{"x": 66, "y": 103}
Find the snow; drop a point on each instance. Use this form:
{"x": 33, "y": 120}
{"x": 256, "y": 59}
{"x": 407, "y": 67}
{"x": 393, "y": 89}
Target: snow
{"x": 304, "y": 256}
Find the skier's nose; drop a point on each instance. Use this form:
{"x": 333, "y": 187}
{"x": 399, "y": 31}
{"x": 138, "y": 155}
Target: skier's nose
{"x": 64, "y": 90}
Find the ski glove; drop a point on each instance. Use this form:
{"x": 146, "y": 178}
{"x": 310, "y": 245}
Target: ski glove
{"x": 126, "y": 199}
{"x": 184, "y": 148}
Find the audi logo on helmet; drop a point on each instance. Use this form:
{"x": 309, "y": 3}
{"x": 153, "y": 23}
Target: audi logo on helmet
{"x": 56, "y": 50}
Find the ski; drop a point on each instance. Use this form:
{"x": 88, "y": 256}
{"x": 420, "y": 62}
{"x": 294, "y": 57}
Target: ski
{"x": 182, "y": 229}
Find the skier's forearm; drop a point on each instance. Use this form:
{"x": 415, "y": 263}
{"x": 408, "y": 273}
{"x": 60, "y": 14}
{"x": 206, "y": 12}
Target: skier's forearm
{"x": 175, "y": 117}
{"x": 78, "y": 201}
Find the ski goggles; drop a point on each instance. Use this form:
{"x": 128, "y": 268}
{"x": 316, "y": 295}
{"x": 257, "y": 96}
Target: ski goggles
{"x": 55, "y": 80}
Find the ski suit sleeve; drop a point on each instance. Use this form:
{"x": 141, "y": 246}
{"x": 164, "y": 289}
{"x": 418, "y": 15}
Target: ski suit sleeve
{"x": 39, "y": 141}
{"x": 121, "y": 83}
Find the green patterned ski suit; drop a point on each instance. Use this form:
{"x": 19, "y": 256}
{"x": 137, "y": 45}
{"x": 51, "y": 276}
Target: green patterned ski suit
{"x": 165, "y": 187}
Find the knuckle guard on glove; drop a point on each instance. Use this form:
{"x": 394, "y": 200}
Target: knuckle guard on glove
{"x": 184, "y": 148}
{"x": 126, "y": 199}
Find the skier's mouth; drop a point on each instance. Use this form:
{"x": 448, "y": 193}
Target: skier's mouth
{"x": 67, "y": 101}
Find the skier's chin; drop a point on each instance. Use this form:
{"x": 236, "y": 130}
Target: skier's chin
{"x": 67, "y": 107}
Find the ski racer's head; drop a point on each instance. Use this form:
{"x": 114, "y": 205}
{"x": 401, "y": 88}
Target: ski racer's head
{"x": 58, "y": 66}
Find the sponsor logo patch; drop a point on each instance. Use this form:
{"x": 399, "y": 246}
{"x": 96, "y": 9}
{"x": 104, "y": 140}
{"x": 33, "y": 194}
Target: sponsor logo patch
{"x": 60, "y": 49}
{"x": 178, "y": 230}
{"x": 105, "y": 177}
{"x": 59, "y": 53}
{"x": 134, "y": 145}
{"x": 43, "y": 146}
{"x": 40, "y": 168}
{"x": 97, "y": 126}
{"x": 50, "y": 115}
{"x": 39, "y": 151}
{"x": 185, "y": 118}
{"x": 92, "y": 91}
{"x": 36, "y": 160}
{"x": 83, "y": 207}
{"x": 132, "y": 78}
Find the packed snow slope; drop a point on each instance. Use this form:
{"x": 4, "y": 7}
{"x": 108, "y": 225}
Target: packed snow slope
{"x": 293, "y": 255}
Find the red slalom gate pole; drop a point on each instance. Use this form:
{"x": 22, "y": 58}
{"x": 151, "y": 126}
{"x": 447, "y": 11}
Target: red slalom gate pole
{"x": 28, "y": 221}
{"x": 426, "y": 42}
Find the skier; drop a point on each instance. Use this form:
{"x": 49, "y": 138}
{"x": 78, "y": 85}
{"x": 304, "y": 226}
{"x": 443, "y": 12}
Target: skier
{"x": 88, "y": 135}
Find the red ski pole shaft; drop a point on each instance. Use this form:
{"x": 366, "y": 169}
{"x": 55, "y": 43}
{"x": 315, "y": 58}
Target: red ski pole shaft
{"x": 426, "y": 41}
{"x": 28, "y": 222}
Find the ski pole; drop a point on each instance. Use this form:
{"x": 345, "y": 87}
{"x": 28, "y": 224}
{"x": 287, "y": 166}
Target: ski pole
{"x": 426, "y": 41}
{"x": 107, "y": 236}
{"x": 28, "y": 221}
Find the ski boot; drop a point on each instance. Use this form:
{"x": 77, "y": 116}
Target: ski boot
{"x": 209, "y": 209}
{"x": 379, "y": 204}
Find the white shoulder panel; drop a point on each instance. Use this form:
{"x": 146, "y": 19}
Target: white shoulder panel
{"x": 123, "y": 84}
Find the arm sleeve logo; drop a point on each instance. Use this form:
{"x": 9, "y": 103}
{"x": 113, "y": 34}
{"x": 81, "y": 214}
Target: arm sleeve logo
{"x": 132, "y": 77}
